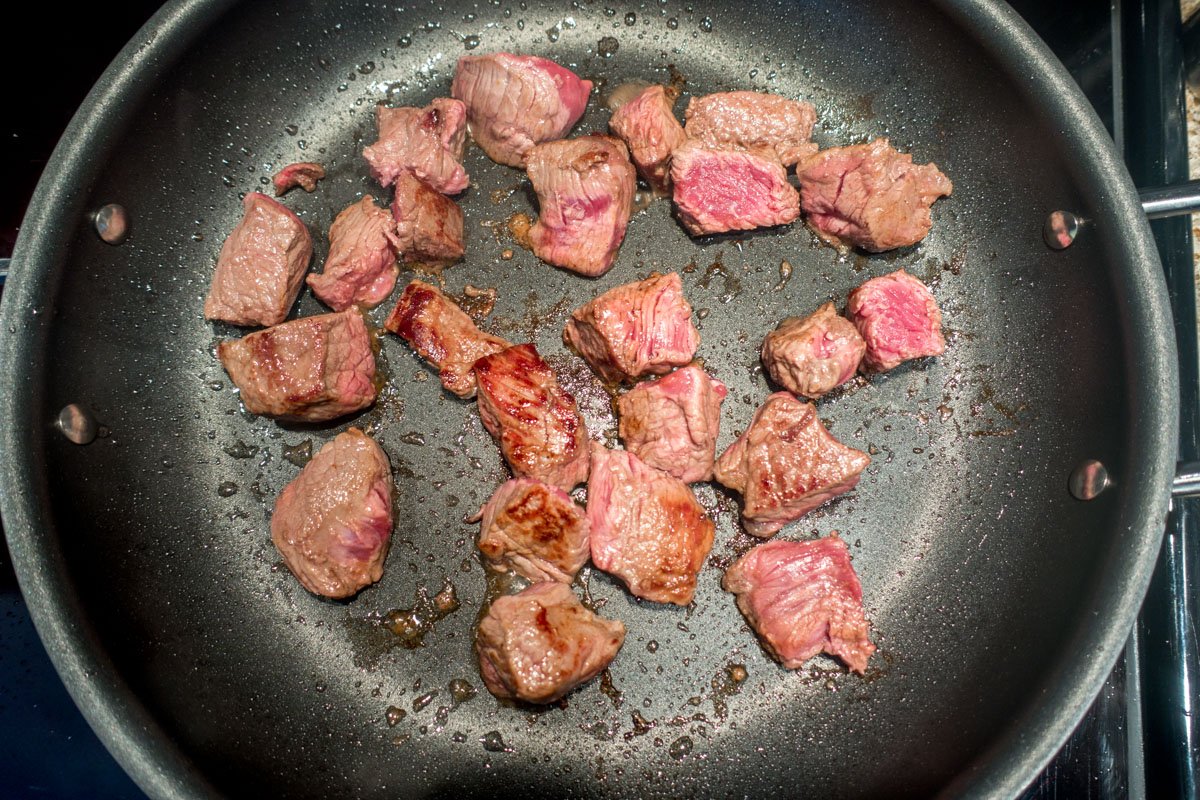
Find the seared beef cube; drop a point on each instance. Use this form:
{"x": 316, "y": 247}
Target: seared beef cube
{"x": 751, "y": 120}
{"x": 535, "y": 530}
{"x": 898, "y": 318}
{"x": 429, "y": 225}
{"x": 648, "y": 127}
{"x": 333, "y": 522}
{"x": 640, "y": 328}
{"x": 515, "y": 102}
{"x": 443, "y": 335}
{"x": 428, "y": 142}
{"x": 803, "y": 598}
{"x": 532, "y": 418}
{"x": 671, "y": 423}
{"x": 869, "y": 195}
{"x": 261, "y": 266}
{"x": 730, "y": 190}
{"x": 304, "y": 174}
{"x": 647, "y": 527}
{"x": 786, "y": 464}
{"x": 312, "y": 369}
{"x": 811, "y": 356}
{"x": 585, "y": 195}
{"x": 361, "y": 267}
{"x": 540, "y": 644}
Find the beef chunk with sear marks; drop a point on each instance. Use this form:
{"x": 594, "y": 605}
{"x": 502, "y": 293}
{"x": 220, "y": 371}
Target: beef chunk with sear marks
{"x": 647, "y": 527}
{"x": 639, "y": 328}
{"x": 533, "y": 419}
{"x": 442, "y": 334}
{"x": 535, "y": 530}
{"x": 803, "y": 598}
{"x": 786, "y": 464}
{"x": 541, "y": 643}
{"x": 311, "y": 370}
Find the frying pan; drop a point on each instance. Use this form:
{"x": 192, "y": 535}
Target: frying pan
{"x": 998, "y": 600}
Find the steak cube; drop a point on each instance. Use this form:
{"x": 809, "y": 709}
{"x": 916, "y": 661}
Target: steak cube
{"x": 532, "y": 418}
{"x": 811, "y": 356}
{"x": 647, "y": 527}
{"x": 717, "y": 190}
{"x": 898, "y": 318}
{"x": 304, "y": 174}
{"x": 443, "y": 335}
{"x": 535, "y": 530}
{"x": 648, "y": 127}
{"x": 752, "y": 120}
{"x": 672, "y": 423}
{"x": 869, "y": 195}
{"x": 361, "y": 267}
{"x": 428, "y": 142}
{"x": 261, "y": 266}
{"x": 429, "y": 225}
{"x": 803, "y": 598}
{"x": 514, "y": 102}
{"x": 333, "y": 522}
{"x": 540, "y": 644}
{"x": 640, "y": 328}
{"x": 585, "y": 196}
{"x": 311, "y": 370}
{"x": 786, "y": 464}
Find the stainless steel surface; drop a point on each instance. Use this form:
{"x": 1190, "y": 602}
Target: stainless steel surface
{"x": 77, "y": 424}
{"x": 1171, "y": 201}
{"x": 112, "y": 223}
{"x": 1088, "y": 480}
{"x": 1187, "y": 480}
{"x": 1060, "y": 229}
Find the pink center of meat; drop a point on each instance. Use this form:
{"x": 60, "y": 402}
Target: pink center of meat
{"x": 726, "y": 183}
{"x": 906, "y": 315}
{"x": 577, "y": 209}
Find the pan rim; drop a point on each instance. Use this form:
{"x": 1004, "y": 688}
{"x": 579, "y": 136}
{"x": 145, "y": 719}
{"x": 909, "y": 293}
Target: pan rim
{"x": 138, "y": 742}
{"x": 1017, "y": 757}
{"x": 130, "y": 734}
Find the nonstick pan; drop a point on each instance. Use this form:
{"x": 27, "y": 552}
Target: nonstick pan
{"x": 998, "y": 600}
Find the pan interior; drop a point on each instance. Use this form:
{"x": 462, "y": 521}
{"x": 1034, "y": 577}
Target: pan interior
{"x": 976, "y": 564}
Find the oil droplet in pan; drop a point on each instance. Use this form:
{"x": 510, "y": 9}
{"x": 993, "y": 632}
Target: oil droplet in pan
{"x": 461, "y": 691}
{"x": 298, "y": 454}
{"x": 494, "y": 743}
{"x": 680, "y": 747}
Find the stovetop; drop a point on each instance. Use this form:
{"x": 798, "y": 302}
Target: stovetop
{"x": 50, "y": 752}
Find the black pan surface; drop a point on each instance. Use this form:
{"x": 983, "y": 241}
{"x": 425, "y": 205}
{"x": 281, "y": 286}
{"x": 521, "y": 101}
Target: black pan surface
{"x": 997, "y": 600}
